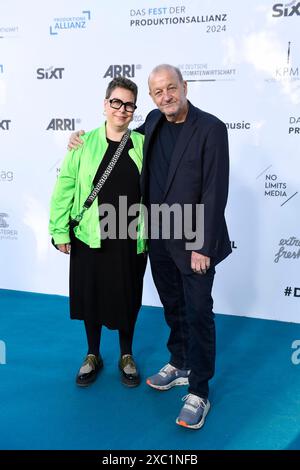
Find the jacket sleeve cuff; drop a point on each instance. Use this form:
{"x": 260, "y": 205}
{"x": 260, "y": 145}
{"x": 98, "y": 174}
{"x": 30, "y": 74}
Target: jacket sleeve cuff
{"x": 60, "y": 239}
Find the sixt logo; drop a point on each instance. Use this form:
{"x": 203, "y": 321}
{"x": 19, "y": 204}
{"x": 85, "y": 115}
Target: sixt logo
{"x": 288, "y": 9}
{"x": 49, "y": 73}
{"x": 4, "y": 124}
{"x": 125, "y": 70}
{"x": 59, "y": 124}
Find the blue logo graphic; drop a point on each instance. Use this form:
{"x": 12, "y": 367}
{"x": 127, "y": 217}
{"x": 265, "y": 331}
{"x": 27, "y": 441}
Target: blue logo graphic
{"x": 1, "y": 68}
{"x": 72, "y": 22}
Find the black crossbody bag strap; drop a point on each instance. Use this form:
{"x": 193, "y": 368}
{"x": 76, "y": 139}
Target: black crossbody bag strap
{"x": 94, "y": 193}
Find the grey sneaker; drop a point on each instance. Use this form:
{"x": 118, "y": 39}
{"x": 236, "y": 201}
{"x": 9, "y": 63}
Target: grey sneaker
{"x": 193, "y": 412}
{"x": 168, "y": 377}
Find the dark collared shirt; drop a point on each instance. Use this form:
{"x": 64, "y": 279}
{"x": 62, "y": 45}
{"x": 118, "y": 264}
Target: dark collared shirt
{"x": 161, "y": 149}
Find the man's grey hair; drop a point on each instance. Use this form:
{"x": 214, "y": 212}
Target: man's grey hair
{"x": 172, "y": 68}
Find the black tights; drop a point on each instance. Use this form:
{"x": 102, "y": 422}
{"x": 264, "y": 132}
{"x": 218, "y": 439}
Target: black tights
{"x": 93, "y": 334}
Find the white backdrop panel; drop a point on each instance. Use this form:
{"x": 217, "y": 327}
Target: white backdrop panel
{"x": 241, "y": 60}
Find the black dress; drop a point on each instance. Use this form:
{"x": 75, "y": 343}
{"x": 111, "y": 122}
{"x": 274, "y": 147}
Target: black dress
{"x": 106, "y": 283}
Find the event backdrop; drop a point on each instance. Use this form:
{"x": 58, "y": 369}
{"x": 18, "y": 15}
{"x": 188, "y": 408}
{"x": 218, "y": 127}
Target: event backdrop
{"x": 241, "y": 61}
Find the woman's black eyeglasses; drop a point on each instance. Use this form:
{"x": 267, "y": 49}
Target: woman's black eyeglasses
{"x": 117, "y": 104}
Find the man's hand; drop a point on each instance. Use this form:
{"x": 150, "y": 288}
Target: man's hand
{"x": 199, "y": 263}
{"x": 64, "y": 248}
{"x": 75, "y": 140}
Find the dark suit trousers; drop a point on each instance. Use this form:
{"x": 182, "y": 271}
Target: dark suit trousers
{"x": 188, "y": 304}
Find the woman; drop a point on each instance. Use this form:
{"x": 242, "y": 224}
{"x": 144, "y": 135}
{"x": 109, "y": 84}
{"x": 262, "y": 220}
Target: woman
{"x": 106, "y": 274}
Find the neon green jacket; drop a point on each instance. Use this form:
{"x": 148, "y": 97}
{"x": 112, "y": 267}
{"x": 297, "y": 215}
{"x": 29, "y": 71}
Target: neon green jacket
{"x": 74, "y": 184}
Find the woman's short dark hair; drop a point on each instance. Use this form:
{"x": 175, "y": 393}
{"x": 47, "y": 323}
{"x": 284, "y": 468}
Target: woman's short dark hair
{"x": 121, "y": 82}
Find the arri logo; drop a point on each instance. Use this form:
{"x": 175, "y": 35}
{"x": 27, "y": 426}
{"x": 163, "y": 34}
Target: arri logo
{"x": 58, "y": 124}
{"x": 50, "y": 73}
{"x": 287, "y": 9}
{"x": 4, "y": 124}
{"x": 125, "y": 70}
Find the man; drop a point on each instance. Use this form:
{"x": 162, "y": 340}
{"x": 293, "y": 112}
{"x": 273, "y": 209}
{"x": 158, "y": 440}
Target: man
{"x": 186, "y": 161}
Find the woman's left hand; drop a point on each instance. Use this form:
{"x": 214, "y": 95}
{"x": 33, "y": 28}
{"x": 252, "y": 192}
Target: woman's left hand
{"x": 64, "y": 248}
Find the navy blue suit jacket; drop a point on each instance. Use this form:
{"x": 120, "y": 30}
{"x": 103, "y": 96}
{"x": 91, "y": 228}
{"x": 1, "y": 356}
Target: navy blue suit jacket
{"x": 198, "y": 174}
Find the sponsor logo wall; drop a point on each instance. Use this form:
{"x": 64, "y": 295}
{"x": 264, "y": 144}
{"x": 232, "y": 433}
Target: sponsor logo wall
{"x": 241, "y": 62}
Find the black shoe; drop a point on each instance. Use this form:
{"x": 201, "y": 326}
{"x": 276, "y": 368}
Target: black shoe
{"x": 92, "y": 364}
{"x": 129, "y": 373}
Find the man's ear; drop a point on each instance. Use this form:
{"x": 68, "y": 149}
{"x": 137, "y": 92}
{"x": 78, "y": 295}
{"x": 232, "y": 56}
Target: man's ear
{"x": 151, "y": 96}
{"x": 185, "y": 87}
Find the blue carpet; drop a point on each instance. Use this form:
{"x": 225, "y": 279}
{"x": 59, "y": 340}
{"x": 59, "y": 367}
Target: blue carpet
{"x": 255, "y": 393}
